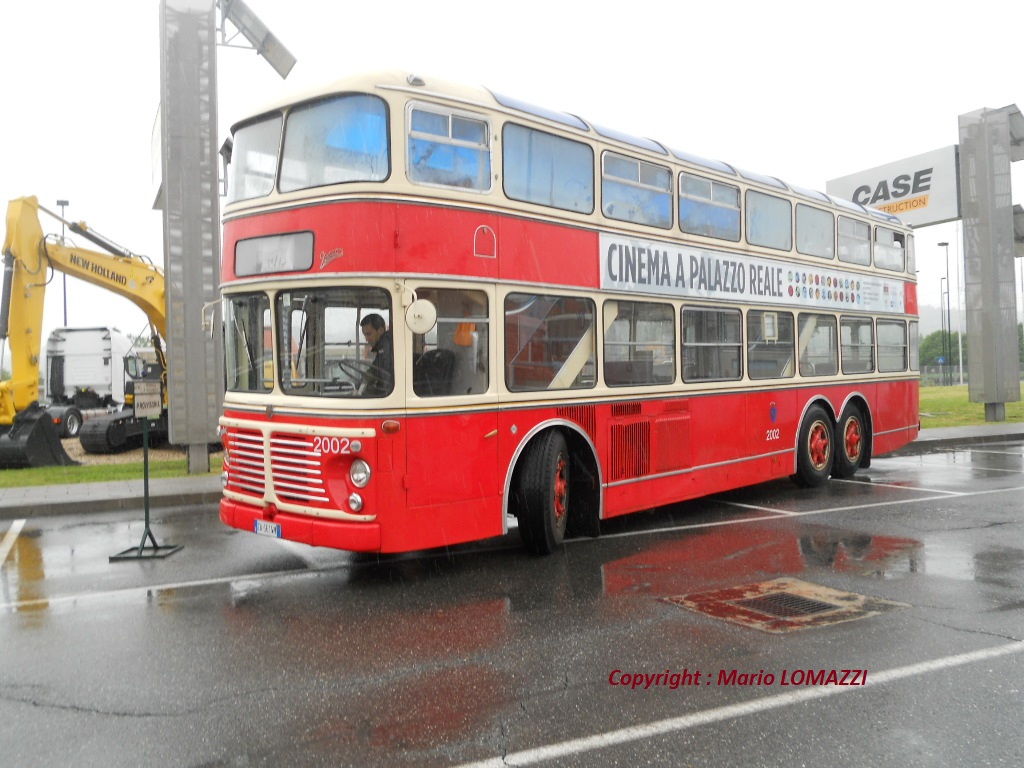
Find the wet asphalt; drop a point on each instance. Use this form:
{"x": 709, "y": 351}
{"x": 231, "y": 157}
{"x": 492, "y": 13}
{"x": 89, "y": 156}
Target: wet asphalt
{"x": 242, "y": 651}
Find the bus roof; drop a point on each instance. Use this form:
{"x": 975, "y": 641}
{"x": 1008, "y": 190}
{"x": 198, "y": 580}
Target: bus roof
{"x": 397, "y": 80}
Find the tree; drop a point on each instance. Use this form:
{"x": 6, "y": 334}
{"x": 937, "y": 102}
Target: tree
{"x": 942, "y": 344}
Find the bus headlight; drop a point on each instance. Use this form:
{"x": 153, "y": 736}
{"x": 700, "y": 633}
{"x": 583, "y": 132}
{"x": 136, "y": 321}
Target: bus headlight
{"x": 355, "y": 502}
{"x": 359, "y": 473}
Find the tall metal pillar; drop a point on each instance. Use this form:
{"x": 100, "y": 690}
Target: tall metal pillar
{"x": 988, "y": 144}
{"x": 191, "y": 206}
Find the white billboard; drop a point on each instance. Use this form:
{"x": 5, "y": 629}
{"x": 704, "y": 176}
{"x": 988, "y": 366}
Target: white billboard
{"x": 920, "y": 190}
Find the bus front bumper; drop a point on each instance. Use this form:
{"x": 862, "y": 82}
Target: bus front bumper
{"x": 337, "y": 534}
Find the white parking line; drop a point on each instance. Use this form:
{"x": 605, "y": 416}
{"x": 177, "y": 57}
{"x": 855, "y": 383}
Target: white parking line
{"x": 9, "y": 538}
{"x": 895, "y": 486}
{"x": 963, "y": 467}
{"x": 676, "y": 724}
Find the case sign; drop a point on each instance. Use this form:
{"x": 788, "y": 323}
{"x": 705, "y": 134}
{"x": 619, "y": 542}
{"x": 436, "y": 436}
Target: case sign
{"x": 919, "y": 190}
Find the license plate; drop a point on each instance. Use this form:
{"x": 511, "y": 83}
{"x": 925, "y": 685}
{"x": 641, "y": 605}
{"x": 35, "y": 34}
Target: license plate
{"x": 264, "y": 528}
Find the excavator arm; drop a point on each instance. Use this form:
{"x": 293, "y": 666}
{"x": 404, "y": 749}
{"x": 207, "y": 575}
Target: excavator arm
{"x": 29, "y": 261}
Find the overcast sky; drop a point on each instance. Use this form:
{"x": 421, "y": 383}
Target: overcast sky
{"x": 806, "y": 91}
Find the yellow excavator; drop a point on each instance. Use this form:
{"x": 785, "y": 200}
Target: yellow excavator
{"x": 27, "y": 434}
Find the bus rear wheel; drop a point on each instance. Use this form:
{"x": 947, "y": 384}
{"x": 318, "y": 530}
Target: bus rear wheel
{"x": 544, "y": 494}
{"x": 814, "y": 449}
{"x": 850, "y": 442}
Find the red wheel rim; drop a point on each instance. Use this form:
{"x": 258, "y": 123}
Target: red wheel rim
{"x": 819, "y": 445}
{"x": 561, "y": 487}
{"x": 853, "y": 438}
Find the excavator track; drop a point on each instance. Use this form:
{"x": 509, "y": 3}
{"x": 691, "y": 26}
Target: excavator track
{"x": 119, "y": 432}
{"x": 105, "y": 434}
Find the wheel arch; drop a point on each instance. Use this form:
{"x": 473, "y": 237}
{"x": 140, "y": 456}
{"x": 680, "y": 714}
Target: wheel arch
{"x": 588, "y": 496}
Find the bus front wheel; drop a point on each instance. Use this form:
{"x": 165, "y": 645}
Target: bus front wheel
{"x": 814, "y": 449}
{"x": 544, "y": 494}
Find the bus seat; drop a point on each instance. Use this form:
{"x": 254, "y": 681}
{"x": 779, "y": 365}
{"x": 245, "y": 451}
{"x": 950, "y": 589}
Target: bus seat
{"x": 432, "y": 373}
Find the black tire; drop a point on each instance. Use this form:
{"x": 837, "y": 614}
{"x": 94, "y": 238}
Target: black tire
{"x": 850, "y": 442}
{"x": 815, "y": 449}
{"x": 71, "y": 424}
{"x": 544, "y": 493}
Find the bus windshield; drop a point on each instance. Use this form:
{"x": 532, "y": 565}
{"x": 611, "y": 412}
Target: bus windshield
{"x": 334, "y": 342}
{"x": 328, "y": 141}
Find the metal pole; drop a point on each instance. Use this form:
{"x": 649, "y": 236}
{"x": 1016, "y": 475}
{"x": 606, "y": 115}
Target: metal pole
{"x": 63, "y": 204}
{"x": 945, "y": 336}
{"x": 959, "y": 313}
{"x": 949, "y": 327}
{"x": 949, "y": 322}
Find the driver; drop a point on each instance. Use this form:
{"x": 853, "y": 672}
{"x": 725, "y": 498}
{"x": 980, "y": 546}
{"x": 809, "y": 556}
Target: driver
{"x": 379, "y": 378}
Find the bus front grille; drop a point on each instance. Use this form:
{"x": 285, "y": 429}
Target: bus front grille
{"x": 281, "y": 465}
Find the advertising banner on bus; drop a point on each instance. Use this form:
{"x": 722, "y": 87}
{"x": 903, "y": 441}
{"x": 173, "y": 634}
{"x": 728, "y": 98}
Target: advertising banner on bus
{"x": 667, "y": 269}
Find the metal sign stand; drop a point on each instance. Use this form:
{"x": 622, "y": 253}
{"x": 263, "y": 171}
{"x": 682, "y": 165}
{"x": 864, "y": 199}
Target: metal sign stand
{"x": 144, "y": 400}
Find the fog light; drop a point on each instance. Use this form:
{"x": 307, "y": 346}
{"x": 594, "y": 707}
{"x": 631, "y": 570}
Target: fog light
{"x": 355, "y": 502}
{"x": 359, "y": 473}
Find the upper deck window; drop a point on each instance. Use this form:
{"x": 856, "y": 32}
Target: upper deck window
{"x": 815, "y": 231}
{"x": 889, "y": 253}
{"x": 854, "y": 241}
{"x": 449, "y": 149}
{"x": 708, "y": 207}
{"x": 334, "y": 141}
{"x": 635, "y": 191}
{"x": 769, "y": 221}
{"x": 548, "y": 170}
{"x": 254, "y": 159}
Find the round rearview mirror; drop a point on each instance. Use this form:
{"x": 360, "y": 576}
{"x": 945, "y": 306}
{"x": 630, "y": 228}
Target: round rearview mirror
{"x": 421, "y": 316}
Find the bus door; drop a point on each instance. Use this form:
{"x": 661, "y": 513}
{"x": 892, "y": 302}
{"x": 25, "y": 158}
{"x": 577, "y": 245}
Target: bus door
{"x": 452, "y": 446}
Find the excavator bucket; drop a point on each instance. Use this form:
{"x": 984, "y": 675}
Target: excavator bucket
{"x": 31, "y": 441}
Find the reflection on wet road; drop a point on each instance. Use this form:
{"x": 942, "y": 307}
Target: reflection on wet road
{"x": 242, "y": 650}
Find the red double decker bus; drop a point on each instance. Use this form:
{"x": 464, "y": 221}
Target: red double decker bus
{"x": 444, "y": 307}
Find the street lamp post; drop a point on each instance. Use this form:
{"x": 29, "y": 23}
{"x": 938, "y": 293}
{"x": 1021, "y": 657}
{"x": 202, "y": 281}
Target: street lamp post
{"x": 62, "y": 204}
{"x": 945, "y": 331}
{"x": 949, "y": 326}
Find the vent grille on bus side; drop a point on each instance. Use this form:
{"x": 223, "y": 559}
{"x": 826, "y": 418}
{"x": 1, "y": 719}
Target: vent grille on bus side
{"x": 631, "y": 450}
{"x": 582, "y": 415}
{"x": 625, "y": 409}
{"x": 296, "y": 474}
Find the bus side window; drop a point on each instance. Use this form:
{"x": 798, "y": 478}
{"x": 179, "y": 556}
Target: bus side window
{"x": 639, "y": 343}
{"x": 889, "y": 252}
{"x": 712, "y": 344}
{"x": 854, "y": 241}
{"x": 815, "y": 232}
{"x": 819, "y": 352}
{"x": 448, "y": 149}
{"x": 858, "y": 344}
{"x": 635, "y": 191}
{"x": 545, "y": 169}
{"x": 452, "y": 357}
{"x": 769, "y": 344}
{"x": 709, "y": 208}
{"x": 892, "y": 346}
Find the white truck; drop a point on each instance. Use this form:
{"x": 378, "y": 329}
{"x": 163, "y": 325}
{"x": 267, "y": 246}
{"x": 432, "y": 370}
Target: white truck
{"x": 84, "y": 375}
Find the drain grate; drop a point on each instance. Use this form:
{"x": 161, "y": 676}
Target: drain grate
{"x": 783, "y": 605}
